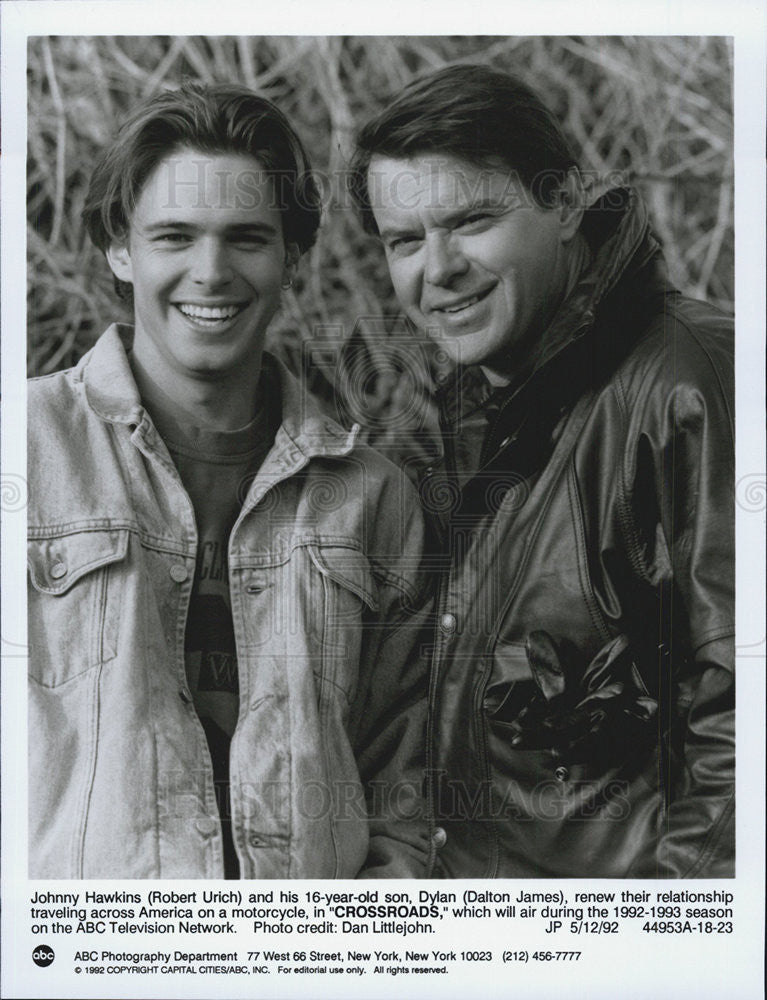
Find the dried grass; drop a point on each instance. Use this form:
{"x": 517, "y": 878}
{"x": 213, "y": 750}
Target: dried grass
{"x": 657, "y": 109}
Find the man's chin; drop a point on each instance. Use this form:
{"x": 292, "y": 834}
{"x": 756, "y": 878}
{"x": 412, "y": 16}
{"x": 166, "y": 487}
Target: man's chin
{"x": 461, "y": 350}
{"x": 210, "y": 366}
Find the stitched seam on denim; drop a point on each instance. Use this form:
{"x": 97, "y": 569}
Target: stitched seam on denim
{"x": 158, "y": 543}
{"x": 325, "y": 667}
{"x": 104, "y": 562}
{"x": 44, "y": 532}
{"x": 283, "y": 554}
{"x": 90, "y": 765}
{"x": 338, "y": 687}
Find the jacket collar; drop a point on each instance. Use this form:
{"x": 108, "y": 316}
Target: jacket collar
{"x": 617, "y": 229}
{"x": 305, "y": 431}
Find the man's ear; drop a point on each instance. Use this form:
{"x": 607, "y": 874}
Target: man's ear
{"x": 292, "y": 255}
{"x": 572, "y": 204}
{"x": 118, "y": 258}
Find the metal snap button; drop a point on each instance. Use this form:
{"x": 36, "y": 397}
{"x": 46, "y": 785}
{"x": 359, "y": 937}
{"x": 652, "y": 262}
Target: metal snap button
{"x": 439, "y": 837}
{"x": 185, "y": 696}
{"x": 179, "y": 572}
{"x": 255, "y": 840}
{"x": 561, "y": 773}
{"x": 448, "y": 623}
{"x": 58, "y": 570}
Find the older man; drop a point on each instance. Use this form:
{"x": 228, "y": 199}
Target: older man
{"x": 582, "y": 695}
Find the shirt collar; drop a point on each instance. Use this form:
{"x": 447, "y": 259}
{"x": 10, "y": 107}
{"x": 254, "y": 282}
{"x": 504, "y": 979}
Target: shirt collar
{"x": 112, "y": 394}
{"x": 617, "y": 229}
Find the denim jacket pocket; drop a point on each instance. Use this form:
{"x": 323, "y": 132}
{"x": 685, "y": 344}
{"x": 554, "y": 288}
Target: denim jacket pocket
{"x": 349, "y": 568}
{"x": 350, "y": 599}
{"x": 74, "y": 602}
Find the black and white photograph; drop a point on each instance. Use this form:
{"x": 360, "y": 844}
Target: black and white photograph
{"x": 379, "y": 500}
{"x": 212, "y": 701}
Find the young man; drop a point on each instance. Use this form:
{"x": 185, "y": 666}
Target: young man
{"x": 223, "y": 661}
{"x": 582, "y": 707}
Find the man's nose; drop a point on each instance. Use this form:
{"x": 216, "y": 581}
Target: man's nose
{"x": 444, "y": 259}
{"x": 211, "y": 266}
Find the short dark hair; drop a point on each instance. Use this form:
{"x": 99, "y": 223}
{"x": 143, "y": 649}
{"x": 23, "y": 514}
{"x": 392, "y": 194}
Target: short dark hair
{"x": 479, "y": 114}
{"x": 224, "y": 118}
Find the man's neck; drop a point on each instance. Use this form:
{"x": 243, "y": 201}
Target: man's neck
{"x": 222, "y": 404}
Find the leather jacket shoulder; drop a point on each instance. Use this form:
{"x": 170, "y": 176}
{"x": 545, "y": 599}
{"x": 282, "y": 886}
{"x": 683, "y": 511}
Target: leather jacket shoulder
{"x": 582, "y": 719}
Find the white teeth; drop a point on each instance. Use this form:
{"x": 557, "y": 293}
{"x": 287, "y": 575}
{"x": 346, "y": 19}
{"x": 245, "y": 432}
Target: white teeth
{"x": 209, "y": 312}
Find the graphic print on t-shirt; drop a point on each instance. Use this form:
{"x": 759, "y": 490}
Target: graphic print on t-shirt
{"x": 214, "y": 466}
{"x": 211, "y": 660}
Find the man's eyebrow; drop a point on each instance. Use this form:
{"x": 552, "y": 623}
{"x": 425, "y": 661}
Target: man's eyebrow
{"x": 151, "y": 227}
{"x": 237, "y": 227}
{"x": 262, "y": 228}
{"x": 388, "y": 232}
{"x": 481, "y": 205}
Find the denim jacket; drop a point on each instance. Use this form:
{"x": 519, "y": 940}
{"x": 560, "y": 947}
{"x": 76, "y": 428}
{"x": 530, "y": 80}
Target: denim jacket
{"x": 325, "y": 574}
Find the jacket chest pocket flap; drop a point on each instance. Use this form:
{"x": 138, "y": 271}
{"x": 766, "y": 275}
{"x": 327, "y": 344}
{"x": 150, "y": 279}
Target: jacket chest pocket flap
{"x": 350, "y": 569}
{"x": 349, "y": 590}
{"x": 74, "y": 603}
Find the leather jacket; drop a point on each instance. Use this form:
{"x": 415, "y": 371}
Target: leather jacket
{"x": 582, "y": 690}
{"x": 327, "y": 592}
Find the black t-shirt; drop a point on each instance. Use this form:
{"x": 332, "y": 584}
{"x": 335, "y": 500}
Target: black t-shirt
{"x": 216, "y": 468}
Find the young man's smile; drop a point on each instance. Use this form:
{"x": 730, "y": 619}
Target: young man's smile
{"x": 206, "y": 257}
{"x": 213, "y": 317}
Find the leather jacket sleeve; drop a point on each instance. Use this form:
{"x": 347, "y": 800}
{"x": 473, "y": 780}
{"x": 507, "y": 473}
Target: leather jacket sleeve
{"x": 682, "y": 540}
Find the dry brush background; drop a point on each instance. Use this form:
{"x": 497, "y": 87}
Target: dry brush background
{"x": 658, "y": 110}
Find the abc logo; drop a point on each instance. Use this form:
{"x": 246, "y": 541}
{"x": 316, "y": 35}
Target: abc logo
{"x": 43, "y": 955}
